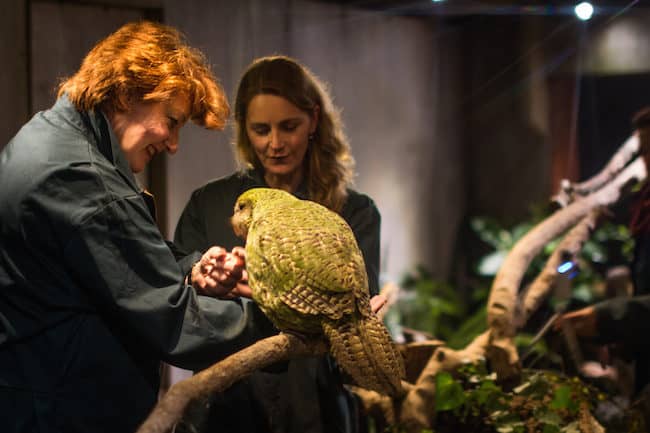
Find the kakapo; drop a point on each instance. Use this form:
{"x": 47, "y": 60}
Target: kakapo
{"x": 308, "y": 276}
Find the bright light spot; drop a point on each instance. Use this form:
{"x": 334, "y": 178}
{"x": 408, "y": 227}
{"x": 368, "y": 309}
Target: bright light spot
{"x": 437, "y": 1}
{"x": 584, "y": 11}
{"x": 564, "y": 267}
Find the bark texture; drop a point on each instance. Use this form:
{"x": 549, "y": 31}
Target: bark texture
{"x": 170, "y": 409}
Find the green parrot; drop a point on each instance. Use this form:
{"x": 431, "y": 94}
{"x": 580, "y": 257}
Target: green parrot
{"x": 308, "y": 276}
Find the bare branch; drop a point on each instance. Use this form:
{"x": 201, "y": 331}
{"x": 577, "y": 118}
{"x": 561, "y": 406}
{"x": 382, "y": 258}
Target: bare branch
{"x": 503, "y": 295}
{"x": 570, "y": 246}
{"x": 623, "y": 155}
{"x": 220, "y": 376}
{"x": 418, "y": 407}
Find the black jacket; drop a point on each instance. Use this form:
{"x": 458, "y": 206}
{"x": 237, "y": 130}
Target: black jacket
{"x": 91, "y": 296}
{"x": 627, "y": 320}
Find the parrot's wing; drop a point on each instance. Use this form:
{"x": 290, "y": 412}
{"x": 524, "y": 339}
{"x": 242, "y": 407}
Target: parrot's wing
{"x": 309, "y": 246}
{"x": 306, "y": 300}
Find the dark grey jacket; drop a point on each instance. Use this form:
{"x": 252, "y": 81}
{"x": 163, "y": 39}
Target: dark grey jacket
{"x": 91, "y": 296}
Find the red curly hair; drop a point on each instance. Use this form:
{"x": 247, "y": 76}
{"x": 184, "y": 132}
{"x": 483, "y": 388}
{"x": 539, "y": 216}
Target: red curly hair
{"x": 147, "y": 62}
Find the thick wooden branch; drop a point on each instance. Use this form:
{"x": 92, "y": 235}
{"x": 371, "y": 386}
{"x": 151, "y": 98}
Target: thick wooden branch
{"x": 502, "y": 302}
{"x": 505, "y": 287}
{"x": 220, "y": 376}
{"x": 623, "y": 155}
{"x": 380, "y": 406}
{"x": 570, "y": 246}
{"x": 418, "y": 406}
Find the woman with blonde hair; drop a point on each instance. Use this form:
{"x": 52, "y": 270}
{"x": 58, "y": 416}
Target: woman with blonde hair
{"x": 92, "y": 298}
{"x": 288, "y": 136}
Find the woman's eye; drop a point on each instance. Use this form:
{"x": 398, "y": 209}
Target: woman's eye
{"x": 290, "y": 127}
{"x": 260, "y": 130}
{"x": 172, "y": 122}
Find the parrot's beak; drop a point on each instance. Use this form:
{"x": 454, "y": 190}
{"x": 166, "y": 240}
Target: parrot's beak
{"x": 239, "y": 226}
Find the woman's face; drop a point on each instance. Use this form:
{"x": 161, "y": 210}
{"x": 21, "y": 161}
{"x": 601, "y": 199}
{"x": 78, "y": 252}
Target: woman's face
{"x": 279, "y": 133}
{"x": 148, "y": 128}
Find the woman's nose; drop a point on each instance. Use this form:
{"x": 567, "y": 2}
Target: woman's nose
{"x": 171, "y": 144}
{"x": 274, "y": 139}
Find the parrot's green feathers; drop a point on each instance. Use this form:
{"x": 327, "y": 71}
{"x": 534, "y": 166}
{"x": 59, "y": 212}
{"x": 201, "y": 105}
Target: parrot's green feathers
{"x": 308, "y": 275}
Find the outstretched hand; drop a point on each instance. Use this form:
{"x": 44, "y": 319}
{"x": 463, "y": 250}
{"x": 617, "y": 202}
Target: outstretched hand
{"x": 218, "y": 272}
{"x": 582, "y": 321}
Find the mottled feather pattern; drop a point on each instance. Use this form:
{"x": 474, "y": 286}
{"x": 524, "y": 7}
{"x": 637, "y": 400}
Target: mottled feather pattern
{"x": 308, "y": 301}
{"x": 308, "y": 276}
{"x": 365, "y": 351}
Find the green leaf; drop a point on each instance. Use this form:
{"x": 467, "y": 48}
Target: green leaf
{"x": 449, "y": 393}
{"x": 470, "y": 328}
{"x": 549, "y": 418}
{"x": 490, "y": 264}
{"x": 486, "y": 392}
{"x": 550, "y": 428}
{"x": 562, "y": 399}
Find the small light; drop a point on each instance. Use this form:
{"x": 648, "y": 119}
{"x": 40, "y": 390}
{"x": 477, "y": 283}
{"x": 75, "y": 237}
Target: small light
{"x": 584, "y": 11}
{"x": 564, "y": 267}
{"x": 437, "y": 1}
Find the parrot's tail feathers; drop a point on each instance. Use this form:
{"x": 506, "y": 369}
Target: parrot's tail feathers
{"x": 365, "y": 350}
{"x": 306, "y": 300}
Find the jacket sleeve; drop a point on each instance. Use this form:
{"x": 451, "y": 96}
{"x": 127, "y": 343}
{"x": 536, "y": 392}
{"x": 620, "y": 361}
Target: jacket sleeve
{"x": 363, "y": 217}
{"x": 624, "y": 319}
{"x": 134, "y": 281}
{"x": 190, "y": 233}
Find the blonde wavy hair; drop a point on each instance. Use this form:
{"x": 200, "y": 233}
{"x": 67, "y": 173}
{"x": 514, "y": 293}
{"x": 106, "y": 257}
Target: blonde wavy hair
{"x": 147, "y": 62}
{"x": 329, "y": 162}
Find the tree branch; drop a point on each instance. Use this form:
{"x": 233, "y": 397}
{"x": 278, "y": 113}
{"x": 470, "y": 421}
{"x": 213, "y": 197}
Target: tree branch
{"x": 623, "y": 155}
{"x": 503, "y": 295}
{"x": 220, "y": 376}
{"x": 570, "y": 246}
{"x": 418, "y": 407}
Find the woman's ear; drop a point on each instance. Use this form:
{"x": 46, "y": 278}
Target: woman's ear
{"x": 315, "y": 118}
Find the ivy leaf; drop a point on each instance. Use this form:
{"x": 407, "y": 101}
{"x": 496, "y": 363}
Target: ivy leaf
{"x": 486, "y": 392}
{"x": 562, "y": 399}
{"x": 449, "y": 393}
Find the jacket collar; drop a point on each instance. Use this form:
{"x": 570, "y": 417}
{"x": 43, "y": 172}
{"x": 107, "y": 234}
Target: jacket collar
{"x": 101, "y": 134}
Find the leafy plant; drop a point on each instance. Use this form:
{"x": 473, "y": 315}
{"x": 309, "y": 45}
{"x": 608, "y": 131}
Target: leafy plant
{"x": 428, "y": 305}
{"x": 471, "y": 399}
{"x": 545, "y": 401}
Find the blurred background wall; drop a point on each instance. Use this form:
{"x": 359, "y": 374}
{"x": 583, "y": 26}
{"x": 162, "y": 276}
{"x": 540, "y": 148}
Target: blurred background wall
{"x": 453, "y": 110}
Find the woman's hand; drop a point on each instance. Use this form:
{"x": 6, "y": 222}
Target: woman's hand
{"x": 582, "y": 321}
{"x": 376, "y": 302}
{"x": 218, "y": 272}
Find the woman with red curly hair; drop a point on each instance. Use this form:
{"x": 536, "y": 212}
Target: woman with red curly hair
{"x": 91, "y": 296}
